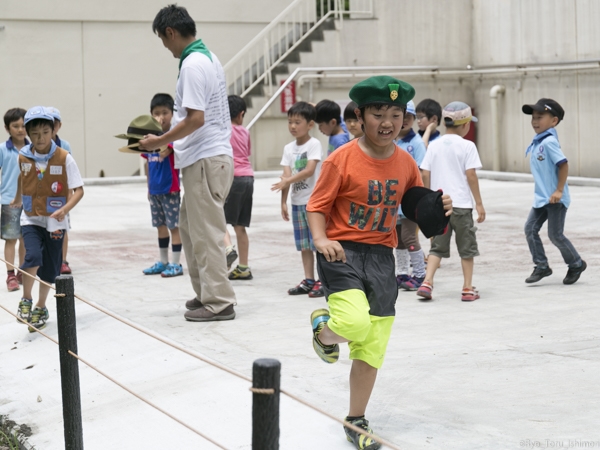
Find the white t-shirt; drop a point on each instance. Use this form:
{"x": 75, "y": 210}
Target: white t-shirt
{"x": 448, "y": 158}
{"x": 201, "y": 86}
{"x": 296, "y": 157}
{"x": 74, "y": 180}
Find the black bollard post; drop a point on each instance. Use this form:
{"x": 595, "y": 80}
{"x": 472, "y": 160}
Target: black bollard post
{"x": 69, "y": 369}
{"x": 265, "y": 404}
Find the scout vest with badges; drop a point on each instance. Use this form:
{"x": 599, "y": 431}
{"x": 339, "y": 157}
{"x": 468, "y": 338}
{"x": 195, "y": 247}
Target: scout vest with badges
{"x": 45, "y": 195}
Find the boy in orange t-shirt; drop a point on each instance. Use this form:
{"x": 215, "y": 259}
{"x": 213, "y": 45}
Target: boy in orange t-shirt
{"x": 352, "y": 216}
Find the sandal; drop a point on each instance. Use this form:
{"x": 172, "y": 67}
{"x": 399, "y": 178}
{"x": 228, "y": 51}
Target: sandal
{"x": 425, "y": 290}
{"x": 469, "y": 295}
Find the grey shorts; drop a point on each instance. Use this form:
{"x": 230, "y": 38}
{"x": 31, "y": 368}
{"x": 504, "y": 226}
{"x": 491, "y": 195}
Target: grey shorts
{"x": 165, "y": 209}
{"x": 10, "y": 223}
{"x": 461, "y": 222}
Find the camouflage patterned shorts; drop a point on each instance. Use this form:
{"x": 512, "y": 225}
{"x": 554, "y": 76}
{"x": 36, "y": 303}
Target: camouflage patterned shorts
{"x": 165, "y": 209}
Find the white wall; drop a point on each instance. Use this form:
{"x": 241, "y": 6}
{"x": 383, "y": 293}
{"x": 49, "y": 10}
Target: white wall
{"x": 100, "y": 64}
{"x": 480, "y": 33}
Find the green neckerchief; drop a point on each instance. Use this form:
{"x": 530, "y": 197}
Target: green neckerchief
{"x": 196, "y": 46}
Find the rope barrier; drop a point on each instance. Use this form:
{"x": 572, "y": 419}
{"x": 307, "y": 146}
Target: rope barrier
{"x": 199, "y": 357}
{"x": 262, "y": 391}
{"x": 122, "y": 386}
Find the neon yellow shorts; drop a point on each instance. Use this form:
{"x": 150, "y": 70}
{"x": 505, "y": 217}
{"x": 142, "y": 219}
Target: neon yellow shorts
{"x": 350, "y": 319}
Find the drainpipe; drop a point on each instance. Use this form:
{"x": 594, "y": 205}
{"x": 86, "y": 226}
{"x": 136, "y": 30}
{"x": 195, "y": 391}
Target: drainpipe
{"x": 495, "y": 92}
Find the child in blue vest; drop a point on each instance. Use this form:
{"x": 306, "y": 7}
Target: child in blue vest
{"x": 164, "y": 194}
{"x": 550, "y": 169}
{"x": 49, "y": 186}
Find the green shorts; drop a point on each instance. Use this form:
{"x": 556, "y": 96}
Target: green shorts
{"x": 461, "y": 222}
{"x": 361, "y": 294}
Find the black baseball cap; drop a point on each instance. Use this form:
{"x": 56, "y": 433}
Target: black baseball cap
{"x": 426, "y": 208}
{"x": 545, "y": 105}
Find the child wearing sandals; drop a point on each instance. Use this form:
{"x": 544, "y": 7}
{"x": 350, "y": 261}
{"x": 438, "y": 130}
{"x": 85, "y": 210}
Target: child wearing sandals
{"x": 450, "y": 164}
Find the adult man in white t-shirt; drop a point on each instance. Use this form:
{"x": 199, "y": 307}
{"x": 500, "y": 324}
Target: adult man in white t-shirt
{"x": 200, "y": 133}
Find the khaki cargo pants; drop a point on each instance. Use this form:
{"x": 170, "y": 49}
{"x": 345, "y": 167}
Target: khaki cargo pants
{"x": 206, "y": 184}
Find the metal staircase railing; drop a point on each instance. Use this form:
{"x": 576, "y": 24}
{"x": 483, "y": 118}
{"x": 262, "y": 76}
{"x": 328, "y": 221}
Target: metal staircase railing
{"x": 254, "y": 63}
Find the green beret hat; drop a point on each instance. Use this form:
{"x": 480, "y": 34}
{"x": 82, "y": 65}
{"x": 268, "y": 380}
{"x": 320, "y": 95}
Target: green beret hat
{"x": 382, "y": 89}
{"x": 141, "y": 126}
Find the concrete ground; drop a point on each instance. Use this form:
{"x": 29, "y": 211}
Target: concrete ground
{"x": 516, "y": 369}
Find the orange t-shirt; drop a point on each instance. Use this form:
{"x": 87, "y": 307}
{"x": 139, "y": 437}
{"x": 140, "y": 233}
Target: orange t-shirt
{"x": 359, "y": 195}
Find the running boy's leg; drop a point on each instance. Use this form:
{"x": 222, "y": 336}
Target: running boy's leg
{"x": 537, "y": 217}
{"x": 362, "y": 381}
{"x": 556, "y": 214}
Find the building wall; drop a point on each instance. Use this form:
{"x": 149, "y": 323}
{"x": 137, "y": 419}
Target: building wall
{"x": 477, "y": 33}
{"x": 100, "y": 64}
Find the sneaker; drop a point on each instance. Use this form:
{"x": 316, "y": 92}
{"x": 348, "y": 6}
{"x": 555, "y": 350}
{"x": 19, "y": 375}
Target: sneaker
{"x": 328, "y": 353}
{"x": 231, "y": 257}
{"x": 24, "y": 311}
{"x": 302, "y": 288}
{"x": 360, "y": 441}
{"x": 172, "y": 270}
{"x": 539, "y": 273}
{"x": 573, "y": 274}
{"x": 425, "y": 290}
{"x": 317, "y": 290}
{"x": 239, "y": 274}
{"x": 157, "y": 268}
{"x": 12, "y": 284}
{"x": 38, "y": 319}
{"x": 204, "y": 315}
{"x": 65, "y": 269}
{"x": 402, "y": 279}
{"x": 469, "y": 295}
{"x": 20, "y": 277}
{"x": 193, "y": 304}
{"x": 412, "y": 284}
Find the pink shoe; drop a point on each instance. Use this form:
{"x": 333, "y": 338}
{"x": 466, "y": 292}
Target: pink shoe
{"x": 425, "y": 290}
{"x": 12, "y": 284}
{"x": 469, "y": 295}
{"x": 65, "y": 269}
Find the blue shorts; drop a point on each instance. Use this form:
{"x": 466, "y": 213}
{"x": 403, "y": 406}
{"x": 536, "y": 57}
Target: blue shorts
{"x": 43, "y": 249}
{"x": 165, "y": 209}
{"x": 10, "y": 223}
{"x": 302, "y": 234}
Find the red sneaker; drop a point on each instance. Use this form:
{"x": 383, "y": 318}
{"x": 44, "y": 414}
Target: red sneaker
{"x": 317, "y": 290}
{"x": 20, "y": 277}
{"x": 65, "y": 269}
{"x": 12, "y": 284}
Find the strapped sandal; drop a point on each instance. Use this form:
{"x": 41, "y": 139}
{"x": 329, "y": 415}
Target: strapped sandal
{"x": 469, "y": 295}
{"x": 425, "y": 290}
